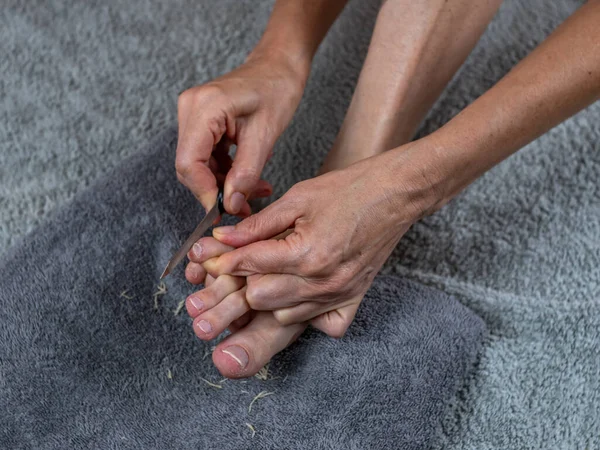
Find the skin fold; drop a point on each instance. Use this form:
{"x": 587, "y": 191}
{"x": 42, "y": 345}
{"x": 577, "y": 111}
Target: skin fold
{"x": 314, "y": 275}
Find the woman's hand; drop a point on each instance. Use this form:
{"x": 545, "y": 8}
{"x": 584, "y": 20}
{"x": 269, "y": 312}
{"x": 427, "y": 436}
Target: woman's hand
{"x": 345, "y": 225}
{"x": 249, "y": 107}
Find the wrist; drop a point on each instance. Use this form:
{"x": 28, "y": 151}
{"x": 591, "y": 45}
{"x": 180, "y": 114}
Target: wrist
{"x": 418, "y": 175}
{"x": 296, "y": 63}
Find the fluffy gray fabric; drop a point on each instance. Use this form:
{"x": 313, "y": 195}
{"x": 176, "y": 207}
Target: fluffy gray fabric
{"x": 88, "y": 363}
{"x": 85, "y": 83}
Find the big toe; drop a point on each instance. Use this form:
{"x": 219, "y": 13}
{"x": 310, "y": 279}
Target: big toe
{"x": 245, "y": 352}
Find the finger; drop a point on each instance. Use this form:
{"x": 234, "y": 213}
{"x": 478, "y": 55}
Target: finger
{"x": 197, "y": 138}
{"x": 277, "y": 291}
{"x": 207, "y": 248}
{"x": 306, "y": 311}
{"x": 245, "y": 352}
{"x": 335, "y": 323}
{"x": 195, "y": 273}
{"x": 271, "y": 256}
{"x": 271, "y": 221}
{"x": 199, "y": 179}
{"x": 213, "y": 322}
{"x": 212, "y": 295}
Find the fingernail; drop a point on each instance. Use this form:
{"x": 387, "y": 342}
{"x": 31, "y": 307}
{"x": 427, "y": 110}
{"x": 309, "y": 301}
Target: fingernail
{"x": 237, "y": 202}
{"x": 197, "y": 303}
{"x": 239, "y": 354}
{"x": 197, "y": 249}
{"x": 224, "y": 230}
{"x": 205, "y": 326}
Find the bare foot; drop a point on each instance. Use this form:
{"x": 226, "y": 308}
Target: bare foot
{"x": 256, "y": 336}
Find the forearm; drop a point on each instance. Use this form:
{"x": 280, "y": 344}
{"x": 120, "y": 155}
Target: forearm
{"x": 416, "y": 48}
{"x": 559, "y": 78}
{"x": 295, "y": 30}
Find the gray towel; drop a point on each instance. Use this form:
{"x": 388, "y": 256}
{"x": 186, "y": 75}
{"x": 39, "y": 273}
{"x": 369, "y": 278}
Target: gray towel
{"x": 87, "y": 361}
{"x": 85, "y": 84}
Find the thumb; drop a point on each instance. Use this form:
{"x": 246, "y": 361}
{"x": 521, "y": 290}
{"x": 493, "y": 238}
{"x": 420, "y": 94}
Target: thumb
{"x": 335, "y": 323}
{"x": 244, "y": 176}
{"x": 266, "y": 224}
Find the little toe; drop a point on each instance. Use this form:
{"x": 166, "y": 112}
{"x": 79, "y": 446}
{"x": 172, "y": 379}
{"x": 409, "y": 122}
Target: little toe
{"x": 213, "y": 322}
{"x": 245, "y": 352}
{"x": 212, "y": 295}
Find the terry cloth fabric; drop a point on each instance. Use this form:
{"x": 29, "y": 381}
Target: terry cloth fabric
{"x": 84, "y": 85}
{"x": 87, "y": 361}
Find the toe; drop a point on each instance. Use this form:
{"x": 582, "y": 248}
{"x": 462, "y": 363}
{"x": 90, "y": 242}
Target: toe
{"x": 212, "y": 295}
{"x": 206, "y": 248}
{"x": 240, "y": 323}
{"x": 245, "y": 352}
{"x": 195, "y": 273}
{"x": 214, "y": 321}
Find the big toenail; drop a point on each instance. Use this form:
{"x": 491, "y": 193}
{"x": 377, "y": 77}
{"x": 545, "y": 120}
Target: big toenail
{"x": 205, "y": 326}
{"x": 239, "y": 354}
{"x": 197, "y": 303}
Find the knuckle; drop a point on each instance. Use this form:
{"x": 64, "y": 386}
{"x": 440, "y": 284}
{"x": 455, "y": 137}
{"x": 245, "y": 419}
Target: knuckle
{"x": 217, "y": 125}
{"x": 251, "y": 225}
{"x": 213, "y": 102}
{"x": 283, "y": 317}
{"x": 201, "y": 94}
{"x": 317, "y": 263}
{"x": 296, "y": 193}
{"x": 339, "y": 285}
{"x": 329, "y": 290}
{"x": 255, "y": 224}
{"x": 254, "y": 297}
{"x": 246, "y": 175}
{"x": 211, "y": 91}
{"x": 185, "y": 98}
{"x": 183, "y": 167}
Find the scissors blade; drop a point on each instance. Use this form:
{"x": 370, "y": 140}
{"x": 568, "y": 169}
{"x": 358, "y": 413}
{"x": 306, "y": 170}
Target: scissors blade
{"x": 196, "y": 234}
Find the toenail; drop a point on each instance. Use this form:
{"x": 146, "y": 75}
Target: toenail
{"x": 239, "y": 354}
{"x": 197, "y": 249}
{"x": 197, "y": 303}
{"x": 205, "y": 326}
